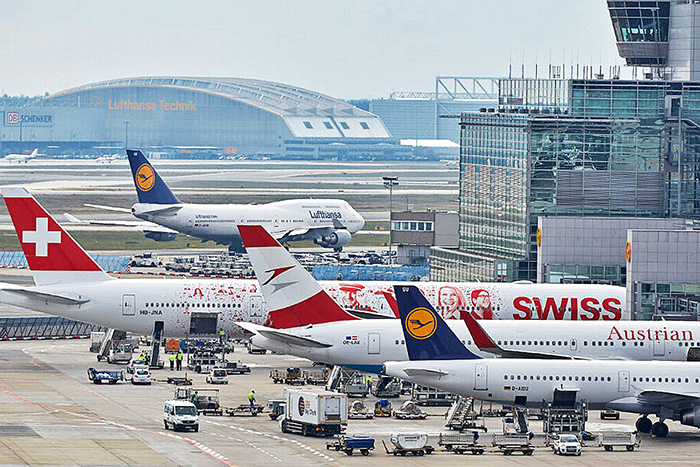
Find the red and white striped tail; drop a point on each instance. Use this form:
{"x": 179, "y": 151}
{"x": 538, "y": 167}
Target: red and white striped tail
{"x": 293, "y": 297}
{"x": 53, "y": 256}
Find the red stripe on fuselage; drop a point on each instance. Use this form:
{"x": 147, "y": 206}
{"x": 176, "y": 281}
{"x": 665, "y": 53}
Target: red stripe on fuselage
{"x": 255, "y": 236}
{"x": 317, "y": 309}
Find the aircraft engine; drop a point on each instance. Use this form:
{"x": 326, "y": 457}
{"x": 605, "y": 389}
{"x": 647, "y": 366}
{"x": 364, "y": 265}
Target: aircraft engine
{"x": 336, "y": 239}
{"x": 691, "y": 416}
{"x": 160, "y": 236}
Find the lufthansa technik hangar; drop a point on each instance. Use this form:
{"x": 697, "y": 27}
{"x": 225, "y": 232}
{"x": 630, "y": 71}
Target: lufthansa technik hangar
{"x": 191, "y": 117}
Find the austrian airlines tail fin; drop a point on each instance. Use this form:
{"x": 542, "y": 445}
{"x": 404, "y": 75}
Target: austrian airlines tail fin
{"x": 53, "y": 256}
{"x": 150, "y": 188}
{"x": 428, "y": 337}
{"x": 293, "y": 297}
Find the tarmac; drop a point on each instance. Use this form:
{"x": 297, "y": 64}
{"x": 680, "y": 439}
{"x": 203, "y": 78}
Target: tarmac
{"x": 50, "y": 414}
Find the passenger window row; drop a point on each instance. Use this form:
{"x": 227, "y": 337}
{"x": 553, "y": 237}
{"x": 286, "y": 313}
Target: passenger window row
{"x": 557, "y": 378}
{"x": 191, "y": 305}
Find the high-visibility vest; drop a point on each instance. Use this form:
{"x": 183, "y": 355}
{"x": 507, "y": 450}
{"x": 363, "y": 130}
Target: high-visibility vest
{"x": 179, "y": 356}
{"x": 251, "y": 396}
{"x": 172, "y": 358}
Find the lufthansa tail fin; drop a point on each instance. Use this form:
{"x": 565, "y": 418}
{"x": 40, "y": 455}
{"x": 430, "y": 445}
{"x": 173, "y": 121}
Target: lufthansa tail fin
{"x": 150, "y": 188}
{"x": 53, "y": 256}
{"x": 428, "y": 337}
{"x": 293, "y": 296}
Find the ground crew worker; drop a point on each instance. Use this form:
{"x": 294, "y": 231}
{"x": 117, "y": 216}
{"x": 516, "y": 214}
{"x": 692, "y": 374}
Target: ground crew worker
{"x": 195, "y": 397}
{"x": 172, "y": 361}
{"x": 178, "y": 359}
{"x": 251, "y": 398}
{"x": 369, "y": 382}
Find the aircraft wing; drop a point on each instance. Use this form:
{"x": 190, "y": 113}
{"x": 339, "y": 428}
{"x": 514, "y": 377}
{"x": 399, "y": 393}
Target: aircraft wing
{"x": 107, "y": 208}
{"x": 668, "y": 399}
{"x": 143, "y": 226}
{"x": 424, "y": 372}
{"x": 281, "y": 336}
{"x": 53, "y": 298}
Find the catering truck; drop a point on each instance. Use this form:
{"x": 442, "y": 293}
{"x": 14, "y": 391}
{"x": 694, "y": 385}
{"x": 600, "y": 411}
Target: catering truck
{"x": 314, "y": 412}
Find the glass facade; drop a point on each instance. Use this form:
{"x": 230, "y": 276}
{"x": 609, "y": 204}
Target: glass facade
{"x": 657, "y": 300}
{"x": 641, "y": 30}
{"x": 457, "y": 266}
{"x": 613, "y": 151}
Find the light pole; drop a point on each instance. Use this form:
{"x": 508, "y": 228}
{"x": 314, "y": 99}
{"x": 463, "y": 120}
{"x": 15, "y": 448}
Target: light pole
{"x": 126, "y": 135}
{"x": 390, "y": 182}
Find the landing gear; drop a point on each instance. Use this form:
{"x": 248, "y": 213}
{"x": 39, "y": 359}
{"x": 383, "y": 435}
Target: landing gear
{"x": 643, "y": 425}
{"x": 338, "y": 249}
{"x": 659, "y": 429}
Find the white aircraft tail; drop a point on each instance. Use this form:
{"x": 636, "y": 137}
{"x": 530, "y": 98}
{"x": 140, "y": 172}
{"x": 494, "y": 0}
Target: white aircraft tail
{"x": 54, "y": 257}
{"x": 293, "y": 297}
{"x": 34, "y": 152}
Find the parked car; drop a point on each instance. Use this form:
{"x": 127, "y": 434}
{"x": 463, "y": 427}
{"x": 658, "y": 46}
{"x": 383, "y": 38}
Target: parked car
{"x": 609, "y": 414}
{"x": 566, "y": 445}
{"x": 217, "y": 376}
{"x": 141, "y": 375}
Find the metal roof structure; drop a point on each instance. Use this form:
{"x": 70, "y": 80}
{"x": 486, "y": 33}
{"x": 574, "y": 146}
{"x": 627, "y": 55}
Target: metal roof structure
{"x": 281, "y": 99}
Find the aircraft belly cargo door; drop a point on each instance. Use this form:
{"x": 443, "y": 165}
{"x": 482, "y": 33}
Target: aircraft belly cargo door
{"x": 481, "y": 377}
{"x": 128, "y": 305}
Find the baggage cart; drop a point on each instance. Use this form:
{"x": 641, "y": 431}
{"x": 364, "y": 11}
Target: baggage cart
{"x": 460, "y": 443}
{"x": 244, "y": 410}
{"x": 383, "y": 408}
{"x": 291, "y": 377}
{"x": 358, "y": 410}
{"x": 105, "y": 376}
{"x": 348, "y": 444}
{"x": 508, "y": 444}
{"x": 409, "y": 443}
{"x": 207, "y": 400}
{"x": 409, "y": 410}
{"x": 610, "y": 440}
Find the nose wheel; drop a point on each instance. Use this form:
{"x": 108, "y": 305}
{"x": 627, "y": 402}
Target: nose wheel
{"x": 643, "y": 425}
{"x": 659, "y": 429}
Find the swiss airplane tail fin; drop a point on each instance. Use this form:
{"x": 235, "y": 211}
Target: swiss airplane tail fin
{"x": 428, "y": 337}
{"x": 150, "y": 188}
{"x": 293, "y": 297}
{"x": 53, "y": 256}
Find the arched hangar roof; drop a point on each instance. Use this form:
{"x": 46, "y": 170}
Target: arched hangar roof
{"x": 300, "y": 108}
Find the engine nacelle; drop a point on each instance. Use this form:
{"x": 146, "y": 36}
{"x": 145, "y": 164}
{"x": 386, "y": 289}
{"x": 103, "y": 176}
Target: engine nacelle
{"x": 160, "y": 236}
{"x": 691, "y": 417}
{"x": 335, "y": 239}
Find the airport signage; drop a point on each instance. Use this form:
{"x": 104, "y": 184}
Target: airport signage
{"x": 157, "y": 105}
{"x": 17, "y": 118}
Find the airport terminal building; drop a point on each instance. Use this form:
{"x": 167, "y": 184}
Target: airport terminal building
{"x": 195, "y": 117}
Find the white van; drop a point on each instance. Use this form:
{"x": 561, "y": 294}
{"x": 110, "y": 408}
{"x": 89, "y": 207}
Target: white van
{"x": 180, "y": 415}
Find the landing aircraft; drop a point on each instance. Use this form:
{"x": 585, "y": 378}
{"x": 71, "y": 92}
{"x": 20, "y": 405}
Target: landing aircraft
{"x": 439, "y": 359}
{"x": 22, "y": 158}
{"x": 294, "y": 299}
{"x": 329, "y": 223}
{"x": 70, "y": 284}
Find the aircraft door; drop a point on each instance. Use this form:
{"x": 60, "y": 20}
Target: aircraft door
{"x": 623, "y": 381}
{"x": 276, "y": 221}
{"x": 573, "y": 344}
{"x": 481, "y": 377}
{"x": 128, "y": 305}
{"x": 659, "y": 348}
{"x": 373, "y": 343}
{"x": 255, "y": 306}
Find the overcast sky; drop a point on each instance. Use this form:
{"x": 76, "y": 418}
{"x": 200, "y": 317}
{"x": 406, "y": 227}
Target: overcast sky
{"x": 347, "y": 49}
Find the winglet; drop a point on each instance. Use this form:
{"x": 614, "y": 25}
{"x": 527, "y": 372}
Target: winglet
{"x": 52, "y": 254}
{"x": 427, "y": 335}
{"x": 481, "y": 338}
{"x": 150, "y": 188}
{"x": 293, "y": 296}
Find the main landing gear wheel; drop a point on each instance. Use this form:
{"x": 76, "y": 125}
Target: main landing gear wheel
{"x": 643, "y": 425}
{"x": 659, "y": 429}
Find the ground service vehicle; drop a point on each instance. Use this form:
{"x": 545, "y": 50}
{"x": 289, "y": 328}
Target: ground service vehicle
{"x": 217, "y": 376}
{"x": 141, "y": 375}
{"x": 180, "y": 415}
{"x": 314, "y": 412}
{"x": 105, "y": 376}
{"x": 348, "y": 444}
{"x": 566, "y": 445}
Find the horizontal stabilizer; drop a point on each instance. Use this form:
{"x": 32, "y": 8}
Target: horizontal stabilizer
{"x": 167, "y": 211}
{"x": 424, "y": 372}
{"x": 107, "y": 208}
{"x": 284, "y": 337}
{"x": 53, "y": 298}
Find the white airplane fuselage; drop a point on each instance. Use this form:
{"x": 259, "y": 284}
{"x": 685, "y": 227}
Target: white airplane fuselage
{"x": 366, "y": 344}
{"x": 136, "y": 304}
{"x": 219, "y": 222}
{"x": 612, "y": 384}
